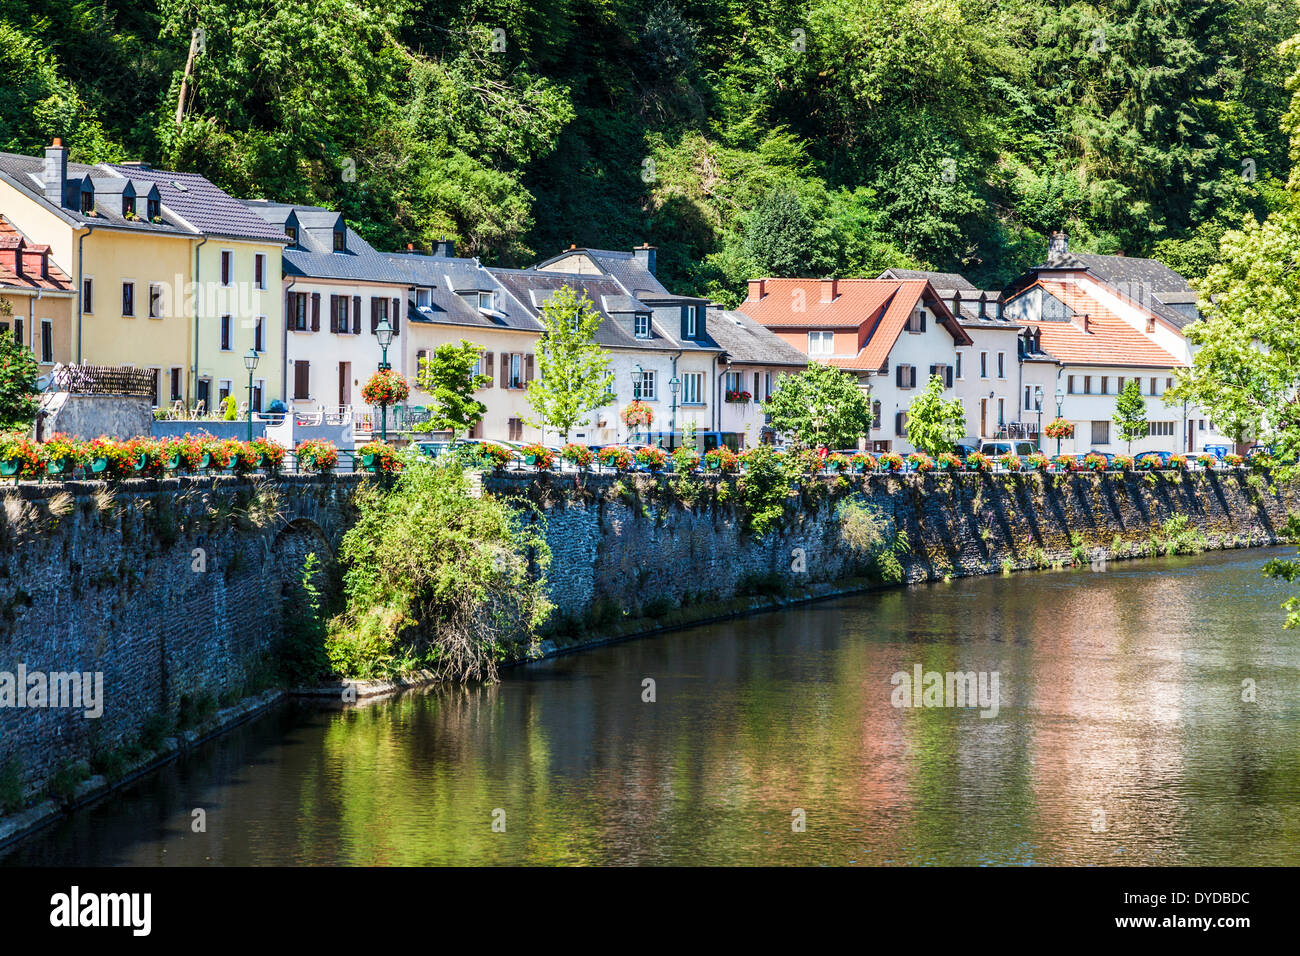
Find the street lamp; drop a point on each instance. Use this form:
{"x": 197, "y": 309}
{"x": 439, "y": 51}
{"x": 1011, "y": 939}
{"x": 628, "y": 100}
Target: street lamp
{"x": 638, "y": 382}
{"x": 674, "y": 384}
{"x": 385, "y": 335}
{"x": 1038, "y": 407}
{"x": 1060, "y": 400}
{"x": 250, "y": 363}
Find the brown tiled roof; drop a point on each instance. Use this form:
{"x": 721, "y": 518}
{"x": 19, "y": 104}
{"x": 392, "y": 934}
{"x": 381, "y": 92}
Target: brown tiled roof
{"x": 1109, "y": 339}
{"x": 56, "y": 280}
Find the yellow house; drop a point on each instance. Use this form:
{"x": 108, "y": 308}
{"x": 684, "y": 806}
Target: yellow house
{"x": 160, "y": 263}
{"x": 36, "y": 298}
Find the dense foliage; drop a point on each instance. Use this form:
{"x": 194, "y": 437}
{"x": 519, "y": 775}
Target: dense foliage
{"x": 18, "y": 372}
{"x": 821, "y": 405}
{"x": 804, "y": 136}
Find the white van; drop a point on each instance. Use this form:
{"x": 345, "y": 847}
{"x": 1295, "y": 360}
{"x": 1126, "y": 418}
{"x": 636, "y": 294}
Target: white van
{"x": 1000, "y": 447}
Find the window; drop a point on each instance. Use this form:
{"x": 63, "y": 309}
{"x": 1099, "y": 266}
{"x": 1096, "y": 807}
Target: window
{"x": 1160, "y": 429}
{"x": 292, "y": 233}
{"x": 900, "y": 424}
{"x": 128, "y": 298}
{"x": 767, "y": 385}
{"x": 693, "y": 388}
{"x": 227, "y": 266}
{"x": 298, "y": 311}
{"x": 485, "y": 300}
{"x": 1169, "y": 383}
{"x": 339, "y": 314}
{"x": 18, "y": 332}
{"x": 87, "y": 295}
{"x": 155, "y": 300}
{"x": 259, "y": 270}
{"x": 643, "y": 386}
{"x": 1028, "y": 406}
{"x": 984, "y": 365}
{"x": 959, "y": 375}
{"x": 1002, "y": 365}
{"x": 821, "y": 343}
{"x": 340, "y": 240}
{"x": 87, "y": 202}
{"x": 128, "y": 207}
{"x": 223, "y": 391}
{"x": 154, "y": 208}
{"x": 1100, "y": 433}
{"x": 905, "y": 376}
{"x": 1153, "y": 387}
{"x": 1002, "y": 411}
{"x": 641, "y": 325}
{"x": 47, "y": 341}
{"x": 515, "y": 376}
{"x": 916, "y": 321}
{"x": 423, "y": 298}
{"x": 734, "y": 382}
{"x": 1087, "y": 385}
{"x": 1069, "y": 384}
{"x": 259, "y": 388}
{"x": 1151, "y": 323}
{"x": 757, "y": 394}
{"x": 690, "y": 322}
{"x": 515, "y": 428}
{"x": 1119, "y": 384}
{"x": 1201, "y": 425}
{"x": 259, "y": 334}
{"x": 875, "y": 414}
{"x": 174, "y": 380}
{"x": 301, "y": 379}
{"x": 225, "y": 333}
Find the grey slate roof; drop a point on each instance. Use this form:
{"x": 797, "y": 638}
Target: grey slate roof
{"x": 1149, "y": 282}
{"x": 968, "y": 311}
{"x": 314, "y": 256}
{"x": 442, "y": 277}
{"x": 940, "y": 280}
{"x": 623, "y": 266}
{"x": 204, "y": 206}
{"x": 26, "y": 174}
{"x": 748, "y": 342}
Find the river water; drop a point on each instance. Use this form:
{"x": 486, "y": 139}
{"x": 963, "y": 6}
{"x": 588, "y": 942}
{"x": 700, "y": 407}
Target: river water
{"x": 1121, "y": 737}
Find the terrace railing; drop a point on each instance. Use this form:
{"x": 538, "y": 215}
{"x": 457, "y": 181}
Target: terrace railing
{"x": 105, "y": 380}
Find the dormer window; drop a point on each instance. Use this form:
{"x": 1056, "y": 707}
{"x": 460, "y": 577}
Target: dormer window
{"x": 87, "y": 202}
{"x": 692, "y": 322}
{"x": 128, "y": 207}
{"x": 485, "y": 300}
{"x": 154, "y": 208}
{"x": 340, "y": 240}
{"x": 423, "y": 298}
{"x": 641, "y": 325}
{"x": 292, "y": 233}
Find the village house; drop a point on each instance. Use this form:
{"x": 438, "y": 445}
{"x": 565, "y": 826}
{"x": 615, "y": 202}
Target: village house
{"x": 1107, "y": 320}
{"x": 37, "y": 298}
{"x": 893, "y": 335}
{"x": 237, "y": 304}
{"x": 337, "y": 292}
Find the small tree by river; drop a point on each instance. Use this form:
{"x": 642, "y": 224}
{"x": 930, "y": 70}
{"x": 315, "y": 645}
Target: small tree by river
{"x": 437, "y": 578}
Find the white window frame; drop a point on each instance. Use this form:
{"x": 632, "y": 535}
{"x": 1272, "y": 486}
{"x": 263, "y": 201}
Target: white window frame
{"x": 259, "y": 257}
{"x": 88, "y": 308}
{"x": 221, "y": 261}
{"x": 259, "y": 333}
{"x": 47, "y": 324}
{"x": 821, "y": 342}
{"x": 984, "y": 365}
{"x": 491, "y": 298}
{"x": 641, "y": 325}
{"x": 693, "y": 388}
{"x": 644, "y": 386}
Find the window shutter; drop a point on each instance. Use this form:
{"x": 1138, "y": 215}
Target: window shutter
{"x": 334, "y": 313}
{"x": 487, "y": 368}
{"x": 397, "y": 308}
{"x": 948, "y": 377}
{"x": 356, "y": 315}
{"x": 898, "y": 376}
{"x": 528, "y": 368}
{"x": 315, "y": 311}
{"x": 374, "y": 315}
{"x": 288, "y": 308}
{"x": 923, "y": 320}
{"x": 301, "y": 378}
{"x": 898, "y": 423}
{"x": 911, "y": 376}
{"x": 505, "y": 369}
{"x": 933, "y": 369}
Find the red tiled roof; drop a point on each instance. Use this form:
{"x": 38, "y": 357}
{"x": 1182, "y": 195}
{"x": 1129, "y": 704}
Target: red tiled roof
{"x": 881, "y": 306}
{"x": 10, "y": 239}
{"x": 1109, "y": 340}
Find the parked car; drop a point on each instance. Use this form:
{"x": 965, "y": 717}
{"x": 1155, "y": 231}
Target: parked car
{"x": 1164, "y": 457}
{"x": 994, "y": 448}
{"x": 963, "y": 449}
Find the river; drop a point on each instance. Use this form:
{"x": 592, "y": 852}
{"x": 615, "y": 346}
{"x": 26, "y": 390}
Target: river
{"x": 1121, "y": 737}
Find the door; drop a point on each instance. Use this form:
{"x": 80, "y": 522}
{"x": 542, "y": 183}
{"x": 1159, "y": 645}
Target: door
{"x": 345, "y": 383}
{"x": 984, "y": 417}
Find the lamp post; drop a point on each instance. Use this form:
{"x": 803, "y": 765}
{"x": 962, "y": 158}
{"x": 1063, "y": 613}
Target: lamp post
{"x": 1060, "y": 400}
{"x": 250, "y": 363}
{"x": 385, "y": 335}
{"x": 674, "y": 384}
{"x": 1038, "y": 407}
{"x": 638, "y": 379}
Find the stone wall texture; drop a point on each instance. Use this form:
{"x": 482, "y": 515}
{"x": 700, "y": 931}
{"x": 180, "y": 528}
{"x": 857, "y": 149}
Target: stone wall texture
{"x": 178, "y": 587}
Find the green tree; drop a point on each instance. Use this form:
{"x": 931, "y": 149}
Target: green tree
{"x": 574, "y": 374}
{"x": 935, "y": 424}
{"x": 782, "y": 238}
{"x": 1131, "y": 413}
{"x": 18, "y": 373}
{"x": 449, "y": 377}
{"x": 821, "y": 405}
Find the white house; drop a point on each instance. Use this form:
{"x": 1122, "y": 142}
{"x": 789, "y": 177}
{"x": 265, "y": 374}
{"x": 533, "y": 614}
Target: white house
{"x": 894, "y": 335}
{"x": 338, "y": 291}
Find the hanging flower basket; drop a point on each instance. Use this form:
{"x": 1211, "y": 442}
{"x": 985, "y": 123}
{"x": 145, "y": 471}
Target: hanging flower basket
{"x": 385, "y": 387}
{"x": 1059, "y": 428}
{"x": 637, "y": 414}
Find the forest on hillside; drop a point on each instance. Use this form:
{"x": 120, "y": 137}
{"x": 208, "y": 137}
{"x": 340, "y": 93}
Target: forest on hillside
{"x": 742, "y": 137}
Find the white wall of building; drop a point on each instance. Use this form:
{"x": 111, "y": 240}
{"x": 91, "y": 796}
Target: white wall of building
{"x": 934, "y": 346}
{"x": 980, "y": 381}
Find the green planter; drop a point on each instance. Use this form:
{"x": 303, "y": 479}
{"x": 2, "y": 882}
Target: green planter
{"x": 96, "y": 466}
{"x": 8, "y": 468}
{"x": 174, "y": 462}
{"x": 60, "y": 466}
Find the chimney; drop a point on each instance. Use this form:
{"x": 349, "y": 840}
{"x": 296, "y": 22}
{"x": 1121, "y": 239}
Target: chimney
{"x": 646, "y": 255}
{"x": 36, "y": 261}
{"x": 1058, "y": 245}
{"x": 410, "y": 247}
{"x": 830, "y": 288}
{"x": 1087, "y": 323}
{"x": 757, "y": 289}
{"x": 11, "y": 253}
{"x": 445, "y": 248}
{"x": 56, "y": 171}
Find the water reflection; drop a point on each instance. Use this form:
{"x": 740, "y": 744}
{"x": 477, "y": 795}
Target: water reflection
{"x": 1121, "y": 737}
